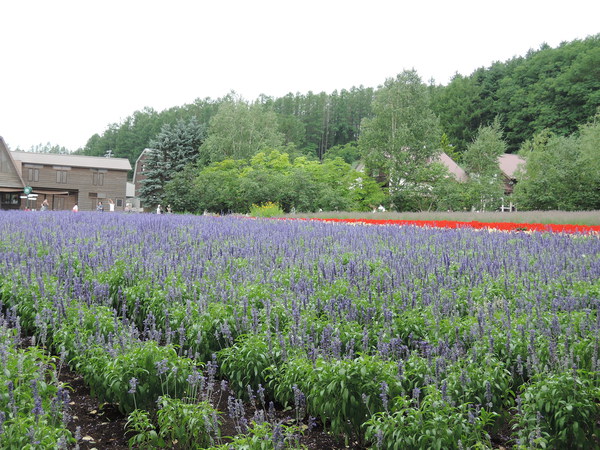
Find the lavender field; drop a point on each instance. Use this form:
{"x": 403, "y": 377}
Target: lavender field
{"x": 386, "y": 336}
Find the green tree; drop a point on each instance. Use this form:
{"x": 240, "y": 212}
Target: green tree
{"x": 588, "y": 192}
{"x": 481, "y": 156}
{"x": 175, "y": 147}
{"x": 459, "y": 107}
{"x": 49, "y": 148}
{"x": 402, "y": 139}
{"x": 180, "y": 192}
{"x": 348, "y": 152}
{"x": 561, "y": 172}
{"x": 485, "y": 186}
{"x": 240, "y": 130}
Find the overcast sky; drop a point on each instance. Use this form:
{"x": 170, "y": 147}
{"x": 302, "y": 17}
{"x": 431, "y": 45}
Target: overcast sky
{"x": 71, "y": 68}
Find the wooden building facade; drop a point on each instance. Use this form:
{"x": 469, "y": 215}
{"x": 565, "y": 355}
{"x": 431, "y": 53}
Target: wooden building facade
{"x": 63, "y": 180}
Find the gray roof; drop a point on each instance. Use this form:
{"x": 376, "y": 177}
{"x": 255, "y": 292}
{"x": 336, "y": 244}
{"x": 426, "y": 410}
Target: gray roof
{"x": 509, "y": 163}
{"x": 53, "y": 159}
{"x": 454, "y": 168}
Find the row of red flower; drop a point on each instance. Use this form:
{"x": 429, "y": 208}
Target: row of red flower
{"x": 502, "y": 226}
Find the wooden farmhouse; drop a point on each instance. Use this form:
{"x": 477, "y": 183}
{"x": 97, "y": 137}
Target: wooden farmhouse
{"x": 63, "y": 180}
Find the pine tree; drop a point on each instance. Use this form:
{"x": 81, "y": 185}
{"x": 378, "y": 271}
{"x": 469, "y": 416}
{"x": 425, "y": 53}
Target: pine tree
{"x": 175, "y": 147}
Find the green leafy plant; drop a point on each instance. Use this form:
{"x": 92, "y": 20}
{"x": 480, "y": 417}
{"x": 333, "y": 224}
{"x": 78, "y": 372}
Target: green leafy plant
{"x": 158, "y": 370}
{"x": 558, "y": 411}
{"x": 265, "y": 436}
{"x": 295, "y": 371}
{"x": 190, "y": 425}
{"x": 145, "y": 434}
{"x": 488, "y": 384}
{"x": 246, "y": 362}
{"x": 430, "y": 423}
{"x": 344, "y": 393}
{"x": 33, "y": 404}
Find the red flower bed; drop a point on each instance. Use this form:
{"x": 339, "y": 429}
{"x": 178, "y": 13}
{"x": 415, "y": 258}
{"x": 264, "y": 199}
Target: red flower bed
{"x": 502, "y": 226}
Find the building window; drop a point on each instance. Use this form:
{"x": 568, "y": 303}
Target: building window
{"x": 119, "y": 202}
{"x": 61, "y": 176}
{"x": 33, "y": 174}
{"x": 98, "y": 178}
{"x": 93, "y": 195}
{"x": 10, "y": 199}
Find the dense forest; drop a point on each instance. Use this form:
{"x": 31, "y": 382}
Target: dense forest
{"x": 550, "y": 88}
{"x": 550, "y": 91}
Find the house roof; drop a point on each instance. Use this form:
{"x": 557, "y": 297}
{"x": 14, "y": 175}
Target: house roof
{"x": 454, "y": 168}
{"x": 509, "y": 163}
{"x": 144, "y": 153}
{"x": 94, "y": 162}
{"x": 10, "y": 178}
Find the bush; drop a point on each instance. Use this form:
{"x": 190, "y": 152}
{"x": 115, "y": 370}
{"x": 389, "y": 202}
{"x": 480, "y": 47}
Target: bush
{"x": 344, "y": 393}
{"x": 429, "y": 424}
{"x": 558, "y": 411}
{"x": 246, "y": 362}
{"x": 268, "y": 209}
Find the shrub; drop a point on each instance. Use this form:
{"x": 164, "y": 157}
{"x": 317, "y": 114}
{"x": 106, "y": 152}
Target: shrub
{"x": 558, "y": 411}
{"x": 344, "y": 393}
{"x": 268, "y": 209}
{"x": 246, "y": 362}
{"x": 190, "y": 425}
{"x": 429, "y": 424}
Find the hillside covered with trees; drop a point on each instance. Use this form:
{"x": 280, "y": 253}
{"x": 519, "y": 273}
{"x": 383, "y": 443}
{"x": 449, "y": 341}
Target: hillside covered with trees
{"x": 536, "y": 103}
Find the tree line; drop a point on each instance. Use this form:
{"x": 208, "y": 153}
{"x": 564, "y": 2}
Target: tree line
{"x": 537, "y": 103}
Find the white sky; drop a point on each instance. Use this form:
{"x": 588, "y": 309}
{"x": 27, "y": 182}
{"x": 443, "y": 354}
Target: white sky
{"x": 71, "y": 68}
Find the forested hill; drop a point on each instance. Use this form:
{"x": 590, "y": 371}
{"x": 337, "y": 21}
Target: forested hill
{"x": 550, "y": 88}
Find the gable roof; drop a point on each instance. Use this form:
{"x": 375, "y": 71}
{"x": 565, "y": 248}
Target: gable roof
{"x": 455, "y": 170}
{"x": 509, "y": 163}
{"x": 143, "y": 155}
{"x": 452, "y": 167}
{"x": 53, "y": 159}
{"x": 10, "y": 175}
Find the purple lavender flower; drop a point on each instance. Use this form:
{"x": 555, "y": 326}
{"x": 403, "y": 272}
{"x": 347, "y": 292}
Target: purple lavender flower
{"x": 133, "y": 385}
{"x": 278, "y": 437}
{"x": 379, "y": 436}
{"x": 161, "y": 367}
{"x": 384, "y": 395}
{"x": 194, "y": 377}
{"x": 261, "y": 395}
{"x": 416, "y": 394}
{"x": 299, "y": 402}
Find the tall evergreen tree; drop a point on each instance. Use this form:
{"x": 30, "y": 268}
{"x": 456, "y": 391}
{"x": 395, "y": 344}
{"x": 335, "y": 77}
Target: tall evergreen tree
{"x": 175, "y": 147}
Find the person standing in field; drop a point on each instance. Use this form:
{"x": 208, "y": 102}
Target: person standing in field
{"x": 45, "y": 205}
{"x": 100, "y": 207}
{"x": 111, "y": 205}
{"x": 75, "y": 208}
